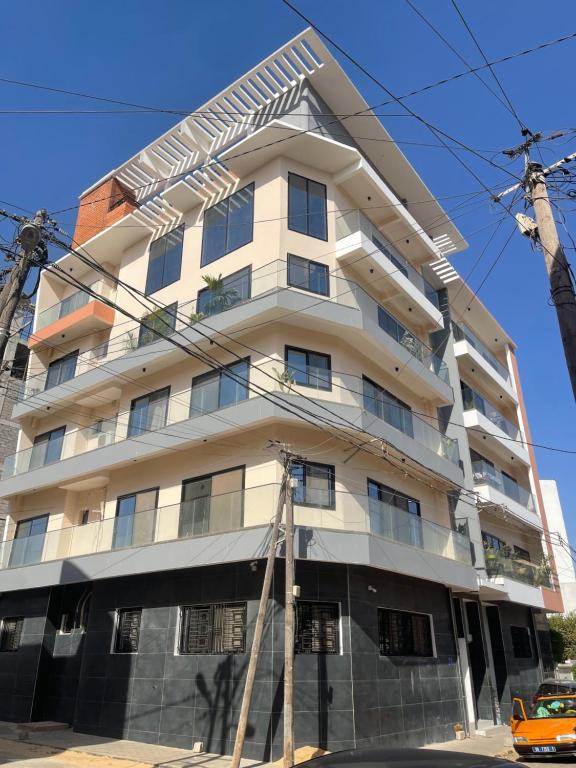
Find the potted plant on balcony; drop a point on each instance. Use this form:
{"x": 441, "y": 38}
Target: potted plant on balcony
{"x": 285, "y": 379}
{"x": 131, "y": 341}
{"x": 220, "y": 297}
{"x": 544, "y": 572}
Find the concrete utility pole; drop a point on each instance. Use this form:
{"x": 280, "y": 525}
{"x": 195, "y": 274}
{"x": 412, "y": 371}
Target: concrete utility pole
{"x": 561, "y": 282}
{"x": 29, "y": 238}
{"x": 289, "y": 631}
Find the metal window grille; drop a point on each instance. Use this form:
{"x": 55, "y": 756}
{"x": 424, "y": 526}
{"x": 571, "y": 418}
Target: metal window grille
{"x": 213, "y": 629}
{"x": 128, "y": 630}
{"x": 404, "y": 634}
{"x": 11, "y": 633}
{"x": 521, "y": 642}
{"x": 317, "y": 628}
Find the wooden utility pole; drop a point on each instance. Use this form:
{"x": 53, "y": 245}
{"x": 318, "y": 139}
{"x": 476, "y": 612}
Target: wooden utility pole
{"x": 289, "y": 631}
{"x": 259, "y": 627}
{"x": 29, "y": 239}
{"x": 561, "y": 281}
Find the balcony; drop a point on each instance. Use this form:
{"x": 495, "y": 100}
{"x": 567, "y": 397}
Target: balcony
{"x": 490, "y": 425}
{"x": 267, "y": 293}
{"x": 519, "y": 580}
{"x": 363, "y": 247}
{"x": 479, "y": 361}
{"x": 499, "y": 489}
{"x": 75, "y": 316}
{"x": 405, "y": 542}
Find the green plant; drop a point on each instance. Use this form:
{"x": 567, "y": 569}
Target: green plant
{"x": 563, "y": 636}
{"x": 220, "y": 296}
{"x": 131, "y": 341}
{"x": 196, "y": 317}
{"x": 285, "y": 378}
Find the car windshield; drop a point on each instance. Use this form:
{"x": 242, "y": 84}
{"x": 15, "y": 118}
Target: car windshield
{"x": 554, "y": 706}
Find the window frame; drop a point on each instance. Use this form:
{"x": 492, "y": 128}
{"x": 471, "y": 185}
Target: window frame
{"x": 211, "y": 634}
{"x": 514, "y": 640}
{"x": 307, "y": 352}
{"x": 18, "y": 630}
{"x": 301, "y": 287}
{"x": 297, "y": 643}
{"x": 220, "y": 372}
{"x": 149, "y": 292}
{"x": 307, "y": 233}
{"x": 331, "y": 490}
{"x": 153, "y": 489}
{"x": 170, "y": 310}
{"x": 120, "y": 610}
{"x": 394, "y": 492}
{"x": 52, "y": 365}
{"x": 203, "y": 262}
{"x": 381, "y": 609}
{"x": 143, "y": 397}
{"x": 201, "y": 291}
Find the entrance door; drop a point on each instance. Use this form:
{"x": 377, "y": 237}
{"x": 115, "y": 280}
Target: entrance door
{"x": 480, "y": 674}
{"x": 498, "y": 656}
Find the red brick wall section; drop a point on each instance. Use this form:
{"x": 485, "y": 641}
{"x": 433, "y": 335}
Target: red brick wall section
{"x": 101, "y": 208}
{"x": 552, "y": 598}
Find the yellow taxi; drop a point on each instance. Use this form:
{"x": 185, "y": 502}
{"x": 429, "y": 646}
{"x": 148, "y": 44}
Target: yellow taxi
{"x": 547, "y": 729}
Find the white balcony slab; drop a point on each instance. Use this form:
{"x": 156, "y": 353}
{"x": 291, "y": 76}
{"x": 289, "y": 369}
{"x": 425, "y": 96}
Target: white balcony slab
{"x": 493, "y": 496}
{"x": 323, "y": 545}
{"x": 502, "y": 588}
{"x": 475, "y": 366}
{"x": 499, "y": 441}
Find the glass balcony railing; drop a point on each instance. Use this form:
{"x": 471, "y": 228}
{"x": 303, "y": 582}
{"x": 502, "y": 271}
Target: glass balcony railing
{"x": 249, "y": 508}
{"x": 498, "y": 564}
{"x": 463, "y": 333}
{"x": 268, "y": 279}
{"x": 71, "y": 304}
{"x": 486, "y": 473}
{"x": 475, "y": 402}
{"x": 355, "y": 221}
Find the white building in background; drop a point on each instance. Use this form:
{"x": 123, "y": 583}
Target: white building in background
{"x": 563, "y": 554}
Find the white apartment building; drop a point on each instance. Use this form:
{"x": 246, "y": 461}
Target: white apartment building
{"x": 563, "y": 553}
{"x": 259, "y": 273}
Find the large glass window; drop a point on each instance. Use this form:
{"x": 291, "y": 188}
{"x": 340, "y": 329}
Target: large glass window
{"x": 165, "y": 260}
{"x": 149, "y": 412}
{"x": 307, "y": 206}
{"x": 309, "y": 369}
{"x": 221, "y": 293}
{"x": 404, "y": 634}
{"x": 11, "y": 633}
{"x": 212, "y": 503}
{"x": 521, "y": 644}
{"x": 28, "y": 544}
{"x": 135, "y": 521}
{"x": 47, "y": 448}
{"x": 213, "y": 629}
{"x": 157, "y": 325}
{"x": 317, "y": 627}
{"x": 308, "y": 275}
{"x": 228, "y": 225}
{"x": 218, "y": 389}
{"x": 387, "y": 407}
{"x": 316, "y": 484}
{"x": 62, "y": 370}
{"x": 394, "y": 514}
{"x": 127, "y": 637}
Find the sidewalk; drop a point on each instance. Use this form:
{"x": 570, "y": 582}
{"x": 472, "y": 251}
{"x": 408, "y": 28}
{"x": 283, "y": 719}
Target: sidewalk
{"x": 497, "y": 743}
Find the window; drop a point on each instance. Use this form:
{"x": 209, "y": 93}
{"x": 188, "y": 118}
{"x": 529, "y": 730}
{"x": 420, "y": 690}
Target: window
{"x": 316, "y": 484}
{"x": 10, "y": 633}
{"x": 127, "y": 630}
{"x": 135, "y": 521}
{"x": 28, "y": 543}
{"x": 493, "y": 542}
{"x": 47, "y": 448}
{"x": 521, "y": 642}
{"x": 521, "y": 553}
{"x": 308, "y": 275}
{"x": 221, "y": 293}
{"x": 213, "y": 629}
{"x": 310, "y": 369}
{"x": 212, "y": 503}
{"x": 218, "y": 389}
{"x": 165, "y": 260}
{"x": 149, "y": 412}
{"x": 387, "y": 407}
{"x": 158, "y": 325}
{"x": 20, "y": 361}
{"x": 228, "y": 225}
{"x": 394, "y": 514}
{"x": 317, "y": 627}
{"x": 62, "y": 370}
{"x": 404, "y": 634}
{"x": 307, "y": 206}
{"x": 399, "y": 333}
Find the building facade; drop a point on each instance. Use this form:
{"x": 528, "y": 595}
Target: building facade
{"x": 563, "y": 557}
{"x": 259, "y": 274}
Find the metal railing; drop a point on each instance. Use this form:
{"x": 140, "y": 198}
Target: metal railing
{"x": 355, "y": 221}
{"x": 474, "y": 401}
{"x": 463, "y": 333}
{"x": 248, "y": 508}
{"x": 485, "y": 473}
{"x": 72, "y": 303}
{"x": 268, "y": 279}
{"x": 498, "y": 564}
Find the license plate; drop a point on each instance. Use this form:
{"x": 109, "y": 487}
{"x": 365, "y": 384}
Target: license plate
{"x": 543, "y": 749}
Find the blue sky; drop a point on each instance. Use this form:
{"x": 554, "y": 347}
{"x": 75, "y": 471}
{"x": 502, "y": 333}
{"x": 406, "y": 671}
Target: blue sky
{"x": 179, "y": 53}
